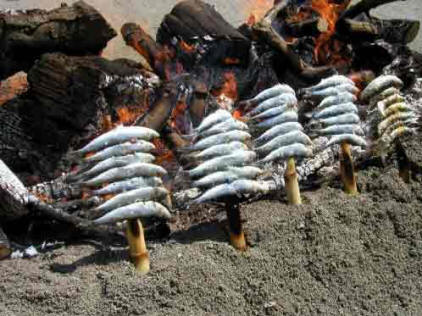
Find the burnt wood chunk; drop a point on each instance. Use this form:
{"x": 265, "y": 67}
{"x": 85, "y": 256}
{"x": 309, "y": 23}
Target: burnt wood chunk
{"x": 311, "y": 27}
{"x": 364, "y": 6}
{"x": 75, "y": 30}
{"x": 65, "y": 107}
{"x": 195, "y": 21}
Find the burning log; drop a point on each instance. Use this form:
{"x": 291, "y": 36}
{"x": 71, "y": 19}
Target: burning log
{"x": 311, "y": 27}
{"x": 77, "y": 30}
{"x": 265, "y": 31}
{"x": 68, "y": 99}
{"x": 196, "y": 22}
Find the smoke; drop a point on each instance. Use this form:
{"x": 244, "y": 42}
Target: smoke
{"x": 147, "y": 13}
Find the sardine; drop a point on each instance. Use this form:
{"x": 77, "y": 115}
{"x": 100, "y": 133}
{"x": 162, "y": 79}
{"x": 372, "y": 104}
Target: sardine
{"x": 392, "y": 99}
{"x": 122, "y": 150}
{"x": 396, "y": 108}
{"x": 119, "y": 135}
{"x": 348, "y": 118}
{"x": 293, "y": 137}
{"x": 383, "y": 95}
{"x": 138, "y": 169}
{"x": 288, "y": 100}
{"x": 332, "y": 81}
{"x": 213, "y": 119}
{"x": 351, "y": 139}
{"x": 294, "y": 150}
{"x": 342, "y": 129}
{"x": 379, "y": 84}
{"x": 114, "y": 162}
{"x": 401, "y": 116}
{"x": 133, "y": 196}
{"x": 129, "y": 184}
{"x": 335, "y": 110}
{"x": 273, "y": 112}
{"x": 337, "y": 99}
{"x": 237, "y": 158}
{"x": 218, "y": 139}
{"x": 228, "y": 176}
{"x": 236, "y": 188}
{"x": 271, "y": 93}
{"x": 226, "y": 126}
{"x": 221, "y": 150}
{"x": 332, "y": 91}
{"x": 398, "y": 132}
{"x": 411, "y": 122}
{"x": 289, "y": 116}
{"x": 135, "y": 210}
{"x": 279, "y": 130}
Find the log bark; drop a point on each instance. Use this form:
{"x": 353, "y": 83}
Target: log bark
{"x": 68, "y": 99}
{"x": 194, "y": 21}
{"x": 76, "y": 30}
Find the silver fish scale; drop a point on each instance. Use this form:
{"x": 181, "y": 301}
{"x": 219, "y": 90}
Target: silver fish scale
{"x": 127, "y": 172}
{"x": 283, "y": 133}
{"x": 389, "y": 115}
{"x": 226, "y": 167}
{"x": 337, "y": 112}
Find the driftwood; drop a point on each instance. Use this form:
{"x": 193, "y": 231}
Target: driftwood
{"x": 24, "y": 36}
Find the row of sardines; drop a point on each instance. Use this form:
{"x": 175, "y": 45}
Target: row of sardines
{"x": 118, "y": 166}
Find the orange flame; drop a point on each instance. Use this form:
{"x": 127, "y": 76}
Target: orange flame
{"x": 128, "y": 115}
{"x": 227, "y": 94}
{"x": 12, "y": 87}
{"x": 187, "y": 48}
{"x": 330, "y": 12}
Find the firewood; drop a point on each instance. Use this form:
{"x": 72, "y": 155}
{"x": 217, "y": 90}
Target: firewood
{"x": 311, "y": 27}
{"x": 65, "y": 105}
{"x": 5, "y": 249}
{"x": 267, "y": 33}
{"x": 77, "y": 30}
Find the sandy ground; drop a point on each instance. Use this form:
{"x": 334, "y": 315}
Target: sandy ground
{"x": 334, "y": 255}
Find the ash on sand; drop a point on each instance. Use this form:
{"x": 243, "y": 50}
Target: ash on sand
{"x": 334, "y": 255}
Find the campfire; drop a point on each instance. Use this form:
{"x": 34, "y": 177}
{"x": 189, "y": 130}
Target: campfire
{"x": 58, "y": 94}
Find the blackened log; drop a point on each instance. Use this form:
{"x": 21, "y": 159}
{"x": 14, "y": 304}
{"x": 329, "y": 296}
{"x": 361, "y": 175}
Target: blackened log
{"x": 5, "y": 249}
{"x": 312, "y": 27}
{"x": 364, "y": 6}
{"x": 65, "y": 107}
{"x": 391, "y": 31}
{"x": 75, "y": 30}
{"x": 195, "y": 21}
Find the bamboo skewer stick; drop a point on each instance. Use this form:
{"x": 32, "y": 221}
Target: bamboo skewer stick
{"x": 237, "y": 236}
{"x": 347, "y": 171}
{"x": 403, "y": 162}
{"x": 137, "y": 247}
{"x": 292, "y": 184}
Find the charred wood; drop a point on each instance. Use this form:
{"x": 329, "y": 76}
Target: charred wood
{"x": 364, "y": 6}
{"x": 312, "y": 27}
{"x": 77, "y": 30}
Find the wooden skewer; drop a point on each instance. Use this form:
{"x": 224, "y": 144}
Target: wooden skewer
{"x": 237, "y": 237}
{"x": 292, "y": 184}
{"x": 137, "y": 247}
{"x": 403, "y": 162}
{"x": 347, "y": 171}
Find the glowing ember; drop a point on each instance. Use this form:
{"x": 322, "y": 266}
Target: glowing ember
{"x": 128, "y": 115}
{"x": 257, "y": 9}
{"x": 12, "y": 87}
{"x": 162, "y": 153}
{"x": 227, "y": 94}
{"x": 186, "y": 47}
{"x": 330, "y": 12}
